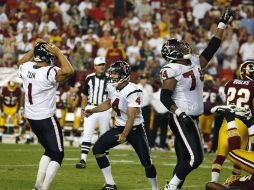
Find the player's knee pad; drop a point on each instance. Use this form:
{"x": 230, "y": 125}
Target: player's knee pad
{"x": 97, "y": 149}
{"x": 150, "y": 171}
{"x": 57, "y": 156}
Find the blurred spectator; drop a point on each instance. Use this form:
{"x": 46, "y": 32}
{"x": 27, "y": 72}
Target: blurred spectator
{"x": 164, "y": 25}
{"x": 85, "y": 4}
{"x": 146, "y": 24}
{"x": 55, "y": 36}
{"x": 24, "y": 46}
{"x": 96, "y": 12}
{"x": 143, "y": 84}
{"x": 199, "y": 10}
{"x": 33, "y": 12}
{"x": 247, "y": 49}
{"x": 9, "y": 51}
{"x": 248, "y": 21}
{"x": 3, "y": 16}
{"x": 143, "y": 9}
{"x": 54, "y": 13}
{"x": 161, "y": 120}
{"x": 106, "y": 37}
{"x": 145, "y": 53}
{"x": 24, "y": 23}
{"x": 85, "y": 21}
{"x": 90, "y": 43}
{"x": 187, "y": 10}
{"x": 47, "y": 25}
{"x": 229, "y": 49}
{"x": 156, "y": 42}
{"x": 115, "y": 53}
{"x": 132, "y": 20}
{"x": 42, "y": 5}
{"x": 119, "y": 9}
{"x": 133, "y": 54}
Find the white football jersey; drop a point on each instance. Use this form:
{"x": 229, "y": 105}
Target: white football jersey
{"x": 40, "y": 90}
{"x": 129, "y": 96}
{"x": 188, "y": 94}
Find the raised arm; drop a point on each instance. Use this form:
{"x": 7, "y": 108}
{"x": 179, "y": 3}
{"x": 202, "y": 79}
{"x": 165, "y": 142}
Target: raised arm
{"x": 66, "y": 69}
{"x": 215, "y": 42}
{"x": 29, "y": 55}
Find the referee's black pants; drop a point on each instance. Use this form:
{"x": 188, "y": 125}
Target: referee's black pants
{"x": 188, "y": 146}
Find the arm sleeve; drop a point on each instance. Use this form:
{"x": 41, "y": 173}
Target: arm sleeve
{"x": 135, "y": 100}
{"x": 51, "y": 74}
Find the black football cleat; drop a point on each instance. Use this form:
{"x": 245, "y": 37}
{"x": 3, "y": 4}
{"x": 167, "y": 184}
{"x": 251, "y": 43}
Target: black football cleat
{"x": 81, "y": 164}
{"x": 109, "y": 187}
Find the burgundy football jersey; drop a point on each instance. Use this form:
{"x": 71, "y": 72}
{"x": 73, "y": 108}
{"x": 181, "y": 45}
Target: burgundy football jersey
{"x": 240, "y": 93}
{"x": 11, "y": 98}
{"x": 245, "y": 182}
{"x": 210, "y": 99}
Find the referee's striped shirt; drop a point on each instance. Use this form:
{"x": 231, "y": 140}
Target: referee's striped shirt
{"x": 95, "y": 89}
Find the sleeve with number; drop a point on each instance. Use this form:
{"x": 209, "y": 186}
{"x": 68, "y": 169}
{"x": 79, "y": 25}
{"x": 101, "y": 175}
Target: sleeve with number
{"x": 52, "y": 74}
{"x": 135, "y": 99}
{"x": 170, "y": 71}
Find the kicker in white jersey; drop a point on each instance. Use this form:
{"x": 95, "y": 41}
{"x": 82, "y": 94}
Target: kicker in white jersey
{"x": 40, "y": 90}
{"x": 187, "y": 95}
{"x": 129, "y": 96}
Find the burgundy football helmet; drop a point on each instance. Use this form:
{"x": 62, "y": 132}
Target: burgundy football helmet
{"x": 247, "y": 70}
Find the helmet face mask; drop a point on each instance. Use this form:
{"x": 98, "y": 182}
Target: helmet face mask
{"x": 173, "y": 50}
{"x": 247, "y": 70}
{"x": 41, "y": 54}
{"x": 122, "y": 70}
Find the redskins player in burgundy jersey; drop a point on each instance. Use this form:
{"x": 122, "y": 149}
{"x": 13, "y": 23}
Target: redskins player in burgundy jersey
{"x": 210, "y": 99}
{"x": 11, "y": 101}
{"x": 239, "y": 92}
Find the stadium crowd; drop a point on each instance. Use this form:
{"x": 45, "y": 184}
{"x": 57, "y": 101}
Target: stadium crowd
{"x": 132, "y": 30}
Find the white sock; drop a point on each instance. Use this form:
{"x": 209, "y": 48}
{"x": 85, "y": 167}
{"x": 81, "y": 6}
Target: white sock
{"x": 43, "y": 165}
{"x": 154, "y": 183}
{"x": 83, "y": 156}
{"x": 50, "y": 174}
{"x": 215, "y": 176}
{"x": 108, "y": 175}
{"x": 251, "y": 130}
{"x": 175, "y": 180}
{"x": 231, "y": 125}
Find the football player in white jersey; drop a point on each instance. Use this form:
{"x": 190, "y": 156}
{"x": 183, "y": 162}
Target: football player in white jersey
{"x": 40, "y": 80}
{"x": 126, "y": 100}
{"x": 181, "y": 93}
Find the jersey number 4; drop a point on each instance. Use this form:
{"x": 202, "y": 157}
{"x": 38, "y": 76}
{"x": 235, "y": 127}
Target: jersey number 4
{"x": 193, "y": 78}
{"x": 115, "y": 105}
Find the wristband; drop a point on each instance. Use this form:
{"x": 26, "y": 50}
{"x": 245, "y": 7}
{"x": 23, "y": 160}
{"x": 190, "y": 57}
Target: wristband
{"x": 222, "y": 25}
{"x": 178, "y": 111}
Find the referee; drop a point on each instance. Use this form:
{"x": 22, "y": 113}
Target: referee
{"x": 94, "y": 94}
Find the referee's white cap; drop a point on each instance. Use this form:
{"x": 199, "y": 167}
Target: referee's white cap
{"x": 99, "y": 60}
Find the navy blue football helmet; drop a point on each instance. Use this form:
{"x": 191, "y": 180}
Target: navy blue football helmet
{"x": 174, "y": 49}
{"x": 41, "y": 54}
{"x": 123, "y": 69}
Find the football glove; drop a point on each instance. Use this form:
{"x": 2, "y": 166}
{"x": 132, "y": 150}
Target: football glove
{"x": 225, "y": 18}
{"x": 186, "y": 119}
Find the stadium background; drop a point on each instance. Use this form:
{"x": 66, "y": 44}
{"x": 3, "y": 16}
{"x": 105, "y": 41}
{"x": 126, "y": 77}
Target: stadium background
{"x": 137, "y": 28}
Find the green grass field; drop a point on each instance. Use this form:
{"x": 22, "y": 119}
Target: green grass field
{"x": 19, "y": 163}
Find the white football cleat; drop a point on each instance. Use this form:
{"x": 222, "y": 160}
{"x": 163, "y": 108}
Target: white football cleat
{"x": 170, "y": 187}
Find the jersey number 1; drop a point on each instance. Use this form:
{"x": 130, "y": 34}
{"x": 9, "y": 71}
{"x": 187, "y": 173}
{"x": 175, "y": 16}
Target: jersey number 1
{"x": 30, "y": 93}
